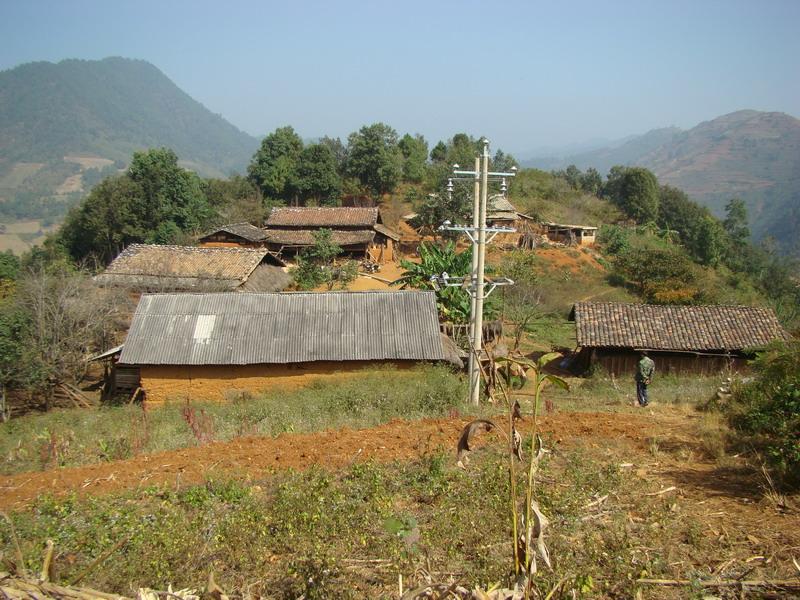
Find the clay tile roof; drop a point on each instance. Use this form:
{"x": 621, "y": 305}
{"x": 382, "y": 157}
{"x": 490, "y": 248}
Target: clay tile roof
{"x": 305, "y": 237}
{"x": 677, "y": 328}
{"x": 243, "y": 328}
{"x": 499, "y": 203}
{"x": 231, "y": 266}
{"x": 245, "y": 231}
{"x": 322, "y": 217}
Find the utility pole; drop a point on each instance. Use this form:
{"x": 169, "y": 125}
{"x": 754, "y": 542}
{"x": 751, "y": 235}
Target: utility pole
{"x": 477, "y": 281}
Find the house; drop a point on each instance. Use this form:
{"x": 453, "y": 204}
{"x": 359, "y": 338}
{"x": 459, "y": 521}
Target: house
{"x": 150, "y": 267}
{"x": 358, "y": 230}
{"x": 234, "y": 235}
{"x": 213, "y": 346}
{"x": 680, "y": 339}
{"x": 571, "y": 235}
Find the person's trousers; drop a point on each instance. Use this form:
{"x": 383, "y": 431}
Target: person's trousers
{"x": 641, "y": 393}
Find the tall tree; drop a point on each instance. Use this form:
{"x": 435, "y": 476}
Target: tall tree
{"x": 635, "y": 191}
{"x": 415, "y": 157}
{"x": 591, "y": 181}
{"x": 735, "y": 222}
{"x": 156, "y": 200}
{"x": 374, "y": 157}
{"x": 274, "y": 166}
{"x": 439, "y": 152}
{"x": 339, "y": 151}
{"x": 317, "y": 178}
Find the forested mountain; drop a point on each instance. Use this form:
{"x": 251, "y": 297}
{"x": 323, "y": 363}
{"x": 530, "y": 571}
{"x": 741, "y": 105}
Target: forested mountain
{"x": 110, "y": 108}
{"x": 746, "y": 154}
{"x": 66, "y": 126}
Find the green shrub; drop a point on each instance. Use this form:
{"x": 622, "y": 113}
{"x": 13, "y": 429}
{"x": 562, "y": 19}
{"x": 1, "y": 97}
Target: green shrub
{"x": 767, "y": 409}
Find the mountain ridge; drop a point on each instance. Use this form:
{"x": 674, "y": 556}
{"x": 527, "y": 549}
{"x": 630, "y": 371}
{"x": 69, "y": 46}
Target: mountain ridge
{"x": 749, "y": 154}
{"x": 110, "y": 108}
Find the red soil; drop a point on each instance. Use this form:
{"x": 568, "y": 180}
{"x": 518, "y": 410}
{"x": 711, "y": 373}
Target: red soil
{"x": 254, "y": 457}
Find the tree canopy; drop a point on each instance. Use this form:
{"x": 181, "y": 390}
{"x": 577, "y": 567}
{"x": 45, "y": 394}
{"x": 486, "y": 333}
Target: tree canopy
{"x": 374, "y": 158}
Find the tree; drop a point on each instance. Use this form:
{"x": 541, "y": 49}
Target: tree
{"x": 503, "y": 162}
{"x": 315, "y": 262}
{"x": 167, "y": 191}
{"x": 374, "y": 158}
{"x": 339, "y": 151}
{"x": 156, "y": 200}
{"x": 317, "y": 178}
{"x": 415, "y": 157}
{"x": 635, "y": 191}
{"x": 591, "y": 181}
{"x": 735, "y": 223}
{"x": 710, "y": 241}
{"x": 439, "y": 153}
{"x": 660, "y": 275}
{"x": 521, "y": 300}
{"x": 274, "y": 165}
{"x": 68, "y": 317}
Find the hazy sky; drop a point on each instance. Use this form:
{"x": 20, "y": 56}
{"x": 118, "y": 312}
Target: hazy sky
{"x": 526, "y": 74}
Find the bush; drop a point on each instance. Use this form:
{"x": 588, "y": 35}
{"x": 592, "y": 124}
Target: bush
{"x": 768, "y": 408}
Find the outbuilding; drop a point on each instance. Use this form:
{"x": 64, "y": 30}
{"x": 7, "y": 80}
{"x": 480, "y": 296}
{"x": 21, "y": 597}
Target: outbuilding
{"x": 244, "y": 235}
{"x": 152, "y": 267}
{"x": 359, "y": 231}
{"x": 215, "y": 346}
{"x": 680, "y": 339}
{"x": 571, "y": 235}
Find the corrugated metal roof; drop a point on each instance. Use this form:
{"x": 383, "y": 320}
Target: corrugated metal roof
{"x": 322, "y": 217}
{"x": 246, "y": 231}
{"x": 679, "y": 328}
{"x": 305, "y": 237}
{"x": 243, "y": 328}
{"x": 186, "y": 262}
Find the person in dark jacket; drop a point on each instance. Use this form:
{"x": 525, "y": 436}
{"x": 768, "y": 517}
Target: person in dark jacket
{"x": 645, "y": 370}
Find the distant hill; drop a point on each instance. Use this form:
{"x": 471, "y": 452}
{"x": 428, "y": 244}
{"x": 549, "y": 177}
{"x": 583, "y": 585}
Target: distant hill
{"x": 65, "y": 126}
{"x": 748, "y": 154}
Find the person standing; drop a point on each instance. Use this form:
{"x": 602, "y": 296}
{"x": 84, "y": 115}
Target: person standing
{"x": 644, "y": 375}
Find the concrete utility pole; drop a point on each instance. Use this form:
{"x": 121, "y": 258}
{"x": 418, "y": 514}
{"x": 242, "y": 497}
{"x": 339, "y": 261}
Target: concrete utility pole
{"x": 477, "y": 282}
{"x": 472, "y": 366}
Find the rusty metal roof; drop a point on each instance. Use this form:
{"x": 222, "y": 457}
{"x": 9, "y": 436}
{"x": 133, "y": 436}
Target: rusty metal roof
{"x": 677, "y": 328}
{"x": 244, "y": 328}
{"x": 305, "y": 237}
{"x": 322, "y": 217}
{"x": 246, "y": 231}
{"x": 184, "y": 266}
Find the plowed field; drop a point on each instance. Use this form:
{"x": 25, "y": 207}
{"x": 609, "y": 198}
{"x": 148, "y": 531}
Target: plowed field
{"x": 257, "y": 456}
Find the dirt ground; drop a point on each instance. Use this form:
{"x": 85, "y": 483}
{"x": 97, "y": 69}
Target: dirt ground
{"x": 725, "y": 495}
{"x": 254, "y": 456}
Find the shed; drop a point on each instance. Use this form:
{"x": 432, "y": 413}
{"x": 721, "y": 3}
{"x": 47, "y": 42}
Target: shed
{"x": 681, "y": 339}
{"x": 210, "y": 346}
{"x": 234, "y": 235}
{"x": 571, "y": 235}
{"x": 150, "y": 267}
{"x": 358, "y": 230}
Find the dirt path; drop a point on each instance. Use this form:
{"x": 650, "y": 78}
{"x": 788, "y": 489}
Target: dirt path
{"x": 256, "y": 456}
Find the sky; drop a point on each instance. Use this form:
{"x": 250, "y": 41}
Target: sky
{"x": 529, "y": 75}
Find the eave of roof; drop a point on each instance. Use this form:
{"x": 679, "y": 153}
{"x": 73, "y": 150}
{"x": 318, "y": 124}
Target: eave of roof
{"x": 674, "y": 328}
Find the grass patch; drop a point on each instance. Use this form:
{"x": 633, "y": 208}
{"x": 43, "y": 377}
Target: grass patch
{"x": 74, "y": 437}
{"x": 603, "y": 393}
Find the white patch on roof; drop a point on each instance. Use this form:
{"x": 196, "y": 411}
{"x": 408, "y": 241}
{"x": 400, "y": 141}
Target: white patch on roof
{"x": 204, "y": 328}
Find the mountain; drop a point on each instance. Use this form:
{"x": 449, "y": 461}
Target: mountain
{"x": 66, "y": 126}
{"x": 746, "y": 154}
{"x": 109, "y": 108}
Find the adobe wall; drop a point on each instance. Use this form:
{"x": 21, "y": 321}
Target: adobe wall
{"x": 219, "y": 383}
